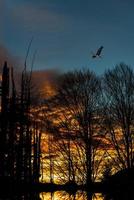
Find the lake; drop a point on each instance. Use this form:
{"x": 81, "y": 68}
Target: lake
{"x": 57, "y": 195}
{"x": 80, "y": 195}
{"x": 62, "y": 195}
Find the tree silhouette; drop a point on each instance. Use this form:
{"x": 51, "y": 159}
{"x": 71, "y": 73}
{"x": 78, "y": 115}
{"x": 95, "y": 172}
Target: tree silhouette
{"x": 19, "y": 146}
{"x": 119, "y": 112}
{"x": 78, "y": 96}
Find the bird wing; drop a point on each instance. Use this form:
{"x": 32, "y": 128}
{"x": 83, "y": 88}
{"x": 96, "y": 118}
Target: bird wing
{"x": 99, "y": 51}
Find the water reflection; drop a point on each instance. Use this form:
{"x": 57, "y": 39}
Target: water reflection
{"x": 62, "y": 195}
{"x": 27, "y": 196}
{"x": 80, "y": 195}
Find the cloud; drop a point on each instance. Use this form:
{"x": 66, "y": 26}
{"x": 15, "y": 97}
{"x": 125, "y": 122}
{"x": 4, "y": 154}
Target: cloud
{"x": 12, "y": 61}
{"x": 5, "y": 55}
{"x": 40, "y": 77}
{"x": 45, "y": 81}
{"x": 36, "y": 18}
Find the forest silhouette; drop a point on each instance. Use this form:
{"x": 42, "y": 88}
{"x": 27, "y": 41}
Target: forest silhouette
{"x": 79, "y": 138}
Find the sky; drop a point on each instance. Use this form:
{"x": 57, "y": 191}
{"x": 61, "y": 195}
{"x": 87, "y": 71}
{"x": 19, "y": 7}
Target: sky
{"x": 66, "y": 32}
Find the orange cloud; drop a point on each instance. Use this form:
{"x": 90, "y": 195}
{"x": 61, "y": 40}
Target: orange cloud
{"x": 45, "y": 81}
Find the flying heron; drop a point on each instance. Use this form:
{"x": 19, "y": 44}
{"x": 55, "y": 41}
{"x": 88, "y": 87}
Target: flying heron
{"x": 98, "y": 53}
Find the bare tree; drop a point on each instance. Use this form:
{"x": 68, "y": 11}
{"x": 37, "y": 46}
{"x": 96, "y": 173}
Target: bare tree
{"x": 78, "y": 95}
{"x": 119, "y": 112}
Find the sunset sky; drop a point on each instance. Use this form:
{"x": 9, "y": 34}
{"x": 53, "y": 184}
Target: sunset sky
{"x": 65, "y": 32}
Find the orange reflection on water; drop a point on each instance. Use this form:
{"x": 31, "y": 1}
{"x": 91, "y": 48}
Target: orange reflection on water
{"x": 62, "y": 195}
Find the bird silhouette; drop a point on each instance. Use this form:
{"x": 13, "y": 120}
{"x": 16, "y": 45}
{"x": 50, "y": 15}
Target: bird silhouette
{"x": 98, "y": 53}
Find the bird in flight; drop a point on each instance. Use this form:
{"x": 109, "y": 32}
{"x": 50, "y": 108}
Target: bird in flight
{"x": 98, "y": 53}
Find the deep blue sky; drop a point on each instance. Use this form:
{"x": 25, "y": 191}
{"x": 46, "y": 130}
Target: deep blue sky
{"x": 66, "y": 31}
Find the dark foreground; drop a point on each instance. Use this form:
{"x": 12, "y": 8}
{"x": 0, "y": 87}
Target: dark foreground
{"x": 116, "y": 187}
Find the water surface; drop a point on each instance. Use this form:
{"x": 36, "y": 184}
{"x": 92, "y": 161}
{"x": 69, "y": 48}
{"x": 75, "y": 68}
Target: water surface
{"x": 62, "y": 195}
